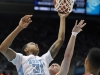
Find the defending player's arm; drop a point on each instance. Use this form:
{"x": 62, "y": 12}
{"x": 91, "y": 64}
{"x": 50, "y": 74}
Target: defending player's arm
{"x": 4, "y": 47}
{"x": 70, "y": 48}
{"x": 61, "y": 36}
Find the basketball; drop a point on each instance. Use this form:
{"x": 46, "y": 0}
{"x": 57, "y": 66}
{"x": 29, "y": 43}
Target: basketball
{"x": 63, "y": 6}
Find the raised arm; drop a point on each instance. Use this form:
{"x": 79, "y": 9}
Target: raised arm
{"x": 61, "y": 36}
{"x": 4, "y": 47}
{"x": 70, "y": 48}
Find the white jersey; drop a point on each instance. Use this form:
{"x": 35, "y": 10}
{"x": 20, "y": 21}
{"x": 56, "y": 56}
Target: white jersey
{"x": 32, "y": 65}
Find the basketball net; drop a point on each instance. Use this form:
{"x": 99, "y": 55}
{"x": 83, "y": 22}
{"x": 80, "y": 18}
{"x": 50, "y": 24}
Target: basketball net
{"x": 64, "y": 5}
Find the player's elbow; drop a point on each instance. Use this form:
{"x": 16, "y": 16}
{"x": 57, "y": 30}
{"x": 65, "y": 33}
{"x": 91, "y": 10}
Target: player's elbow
{"x": 61, "y": 40}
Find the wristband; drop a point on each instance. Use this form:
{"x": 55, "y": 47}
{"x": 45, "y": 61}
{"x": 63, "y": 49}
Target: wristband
{"x": 74, "y": 34}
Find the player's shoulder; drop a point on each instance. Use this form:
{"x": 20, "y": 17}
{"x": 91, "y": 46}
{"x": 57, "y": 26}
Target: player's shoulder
{"x": 19, "y": 54}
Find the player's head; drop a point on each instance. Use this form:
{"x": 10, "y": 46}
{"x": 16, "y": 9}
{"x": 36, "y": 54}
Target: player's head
{"x": 31, "y": 48}
{"x": 54, "y": 69}
{"x": 92, "y": 62}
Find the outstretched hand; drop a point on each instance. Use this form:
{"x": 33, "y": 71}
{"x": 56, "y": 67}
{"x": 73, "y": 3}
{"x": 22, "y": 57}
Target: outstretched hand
{"x": 78, "y": 27}
{"x": 25, "y": 21}
{"x": 63, "y": 14}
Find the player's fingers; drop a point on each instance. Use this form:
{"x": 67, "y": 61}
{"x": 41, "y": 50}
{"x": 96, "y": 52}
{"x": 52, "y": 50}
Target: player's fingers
{"x": 76, "y": 22}
{"x": 28, "y": 16}
{"x": 24, "y": 18}
{"x": 81, "y": 22}
{"x": 29, "y": 21}
{"x": 82, "y": 25}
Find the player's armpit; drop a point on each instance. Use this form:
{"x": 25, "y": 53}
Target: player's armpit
{"x": 9, "y": 54}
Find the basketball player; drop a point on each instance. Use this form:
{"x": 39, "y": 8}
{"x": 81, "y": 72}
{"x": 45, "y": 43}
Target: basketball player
{"x": 55, "y": 69}
{"x": 92, "y": 62}
{"x": 32, "y": 64}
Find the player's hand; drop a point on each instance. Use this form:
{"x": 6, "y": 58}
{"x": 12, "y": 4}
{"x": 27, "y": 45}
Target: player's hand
{"x": 63, "y": 14}
{"x": 25, "y": 21}
{"x": 78, "y": 27}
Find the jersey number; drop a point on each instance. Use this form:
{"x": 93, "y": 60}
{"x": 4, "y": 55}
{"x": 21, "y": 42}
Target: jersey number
{"x": 38, "y": 69}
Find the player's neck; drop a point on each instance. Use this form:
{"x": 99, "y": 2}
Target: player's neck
{"x": 31, "y": 54}
{"x": 91, "y": 72}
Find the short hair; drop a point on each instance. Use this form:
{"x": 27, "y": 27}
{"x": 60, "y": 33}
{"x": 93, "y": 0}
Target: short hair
{"x": 94, "y": 58}
{"x": 23, "y": 49}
